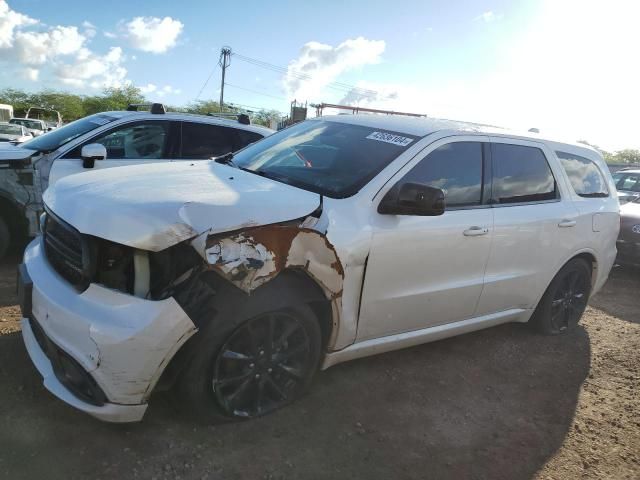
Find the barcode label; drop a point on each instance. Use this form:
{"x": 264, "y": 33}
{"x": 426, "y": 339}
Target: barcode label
{"x": 390, "y": 138}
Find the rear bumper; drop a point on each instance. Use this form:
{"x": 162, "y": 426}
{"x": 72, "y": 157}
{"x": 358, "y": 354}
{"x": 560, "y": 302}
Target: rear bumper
{"x": 117, "y": 341}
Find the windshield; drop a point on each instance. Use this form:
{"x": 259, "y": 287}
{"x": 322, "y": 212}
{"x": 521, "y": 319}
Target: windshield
{"x": 26, "y": 123}
{"x": 627, "y": 181}
{"x": 58, "y": 137}
{"x": 10, "y": 129}
{"x": 330, "y": 158}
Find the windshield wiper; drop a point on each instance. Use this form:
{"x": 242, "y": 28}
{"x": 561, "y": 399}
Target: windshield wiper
{"x": 226, "y": 159}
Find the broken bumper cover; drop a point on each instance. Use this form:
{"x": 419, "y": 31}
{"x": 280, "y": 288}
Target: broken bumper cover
{"x": 121, "y": 342}
{"x": 109, "y": 412}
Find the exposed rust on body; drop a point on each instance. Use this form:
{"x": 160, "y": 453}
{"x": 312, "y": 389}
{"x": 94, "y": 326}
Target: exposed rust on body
{"x": 252, "y": 257}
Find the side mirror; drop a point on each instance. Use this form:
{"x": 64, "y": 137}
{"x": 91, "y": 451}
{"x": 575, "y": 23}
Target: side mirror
{"x": 413, "y": 199}
{"x": 92, "y": 152}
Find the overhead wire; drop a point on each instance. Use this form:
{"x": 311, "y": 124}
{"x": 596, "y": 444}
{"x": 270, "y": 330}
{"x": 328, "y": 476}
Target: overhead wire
{"x": 340, "y": 86}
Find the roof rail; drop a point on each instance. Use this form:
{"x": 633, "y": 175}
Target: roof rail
{"x": 242, "y": 118}
{"x": 155, "y": 108}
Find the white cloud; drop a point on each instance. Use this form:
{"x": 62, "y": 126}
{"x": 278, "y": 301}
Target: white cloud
{"x": 30, "y": 74}
{"x": 489, "y": 16}
{"x": 110, "y": 35}
{"x": 90, "y": 29}
{"x": 36, "y": 48}
{"x": 153, "y": 34}
{"x": 157, "y": 91}
{"x": 319, "y": 64}
{"x": 60, "y": 52}
{"x": 10, "y": 21}
{"x": 96, "y": 71}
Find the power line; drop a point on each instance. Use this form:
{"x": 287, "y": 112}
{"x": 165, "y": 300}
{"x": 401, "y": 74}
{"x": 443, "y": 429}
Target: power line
{"x": 206, "y": 81}
{"x": 254, "y": 91}
{"x": 339, "y": 86}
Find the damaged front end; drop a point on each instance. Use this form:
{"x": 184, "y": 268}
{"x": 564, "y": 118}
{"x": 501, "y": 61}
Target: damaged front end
{"x": 193, "y": 270}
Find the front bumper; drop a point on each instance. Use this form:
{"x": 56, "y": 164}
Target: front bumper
{"x": 122, "y": 342}
{"x": 628, "y": 253}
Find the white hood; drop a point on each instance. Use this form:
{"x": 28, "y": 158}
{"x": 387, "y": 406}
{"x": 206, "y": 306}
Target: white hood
{"x": 154, "y": 206}
{"x": 11, "y": 152}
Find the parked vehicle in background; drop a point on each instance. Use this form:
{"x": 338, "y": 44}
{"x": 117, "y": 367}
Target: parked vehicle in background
{"x": 14, "y": 133}
{"x": 629, "y": 239}
{"x": 334, "y": 239}
{"x": 52, "y": 118}
{"x": 106, "y": 140}
{"x": 35, "y": 127}
{"x": 6, "y": 112}
{"x": 627, "y": 183}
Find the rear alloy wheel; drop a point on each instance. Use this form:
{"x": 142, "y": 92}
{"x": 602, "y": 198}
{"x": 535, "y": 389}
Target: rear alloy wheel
{"x": 263, "y": 365}
{"x": 565, "y": 300}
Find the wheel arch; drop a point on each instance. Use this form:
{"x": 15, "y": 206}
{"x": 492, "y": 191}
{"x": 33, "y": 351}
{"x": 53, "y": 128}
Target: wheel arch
{"x": 586, "y": 254}
{"x": 227, "y": 300}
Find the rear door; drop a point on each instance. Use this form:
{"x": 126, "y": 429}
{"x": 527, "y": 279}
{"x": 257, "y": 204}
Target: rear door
{"x": 204, "y": 141}
{"x": 130, "y": 143}
{"x": 534, "y": 225}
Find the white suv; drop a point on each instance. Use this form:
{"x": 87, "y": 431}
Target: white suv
{"x": 340, "y": 237}
{"x": 105, "y": 140}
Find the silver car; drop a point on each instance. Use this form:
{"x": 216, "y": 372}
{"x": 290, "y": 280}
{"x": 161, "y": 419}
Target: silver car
{"x": 14, "y": 133}
{"x": 629, "y": 239}
{"x": 628, "y": 184}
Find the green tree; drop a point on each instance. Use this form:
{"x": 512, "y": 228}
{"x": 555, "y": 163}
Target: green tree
{"x": 17, "y": 98}
{"x": 627, "y": 155}
{"x": 113, "y": 99}
{"x": 208, "y": 106}
{"x": 264, "y": 117}
{"x": 608, "y": 156}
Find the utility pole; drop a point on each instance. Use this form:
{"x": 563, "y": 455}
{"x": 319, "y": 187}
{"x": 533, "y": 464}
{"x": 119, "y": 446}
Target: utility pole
{"x": 224, "y": 62}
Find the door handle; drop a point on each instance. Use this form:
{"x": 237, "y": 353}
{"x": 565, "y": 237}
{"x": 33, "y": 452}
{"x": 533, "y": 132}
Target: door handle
{"x": 567, "y": 223}
{"x": 475, "y": 231}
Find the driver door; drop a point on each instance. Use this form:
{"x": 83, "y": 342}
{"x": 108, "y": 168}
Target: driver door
{"x": 428, "y": 271}
{"x": 127, "y": 144}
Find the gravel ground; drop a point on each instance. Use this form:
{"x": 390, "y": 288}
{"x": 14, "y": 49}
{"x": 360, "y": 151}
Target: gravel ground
{"x": 497, "y": 404}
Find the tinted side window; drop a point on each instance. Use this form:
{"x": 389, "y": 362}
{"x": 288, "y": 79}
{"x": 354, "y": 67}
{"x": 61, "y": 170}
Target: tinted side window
{"x": 131, "y": 141}
{"x": 201, "y": 141}
{"x": 456, "y": 168}
{"x": 521, "y": 174}
{"x": 586, "y": 178}
{"x": 245, "y": 137}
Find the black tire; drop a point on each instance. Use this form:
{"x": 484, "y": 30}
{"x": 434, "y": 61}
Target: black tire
{"x": 5, "y": 238}
{"x": 267, "y": 384}
{"x": 565, "y": 300}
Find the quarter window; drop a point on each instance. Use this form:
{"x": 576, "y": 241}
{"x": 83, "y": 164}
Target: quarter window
{"x": 521, "y": 174}
{"x": 456, "y": 168}
{"x": 586, "y": 178}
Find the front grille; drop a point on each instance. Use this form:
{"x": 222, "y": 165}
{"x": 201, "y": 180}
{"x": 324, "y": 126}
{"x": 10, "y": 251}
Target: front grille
{"x": 67, "y": 251}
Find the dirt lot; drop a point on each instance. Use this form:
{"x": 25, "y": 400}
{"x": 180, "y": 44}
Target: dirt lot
{"x": 497, "y": 404}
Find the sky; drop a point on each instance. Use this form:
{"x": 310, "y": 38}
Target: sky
{"x": 570, "y": 68}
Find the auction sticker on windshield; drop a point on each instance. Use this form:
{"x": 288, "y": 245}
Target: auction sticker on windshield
{"x": 390, "y": 138}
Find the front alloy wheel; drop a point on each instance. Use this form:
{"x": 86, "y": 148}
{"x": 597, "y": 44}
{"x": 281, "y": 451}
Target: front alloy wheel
{"x": 263, "y": 365}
